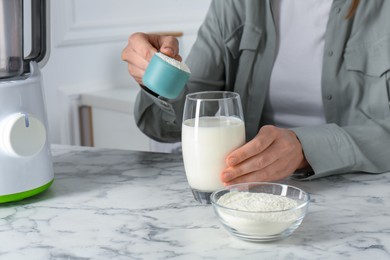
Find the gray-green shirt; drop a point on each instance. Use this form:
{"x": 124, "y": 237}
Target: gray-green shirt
{"x": 235, "y": 50}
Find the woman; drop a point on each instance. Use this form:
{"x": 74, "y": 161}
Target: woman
{"x": 314, "y": 78}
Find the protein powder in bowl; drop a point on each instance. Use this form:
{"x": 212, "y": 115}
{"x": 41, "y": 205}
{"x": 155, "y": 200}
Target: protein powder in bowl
{"x": 260, "y": 211}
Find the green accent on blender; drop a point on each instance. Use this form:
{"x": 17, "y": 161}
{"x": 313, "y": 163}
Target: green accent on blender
{"x": 24, "y": 194}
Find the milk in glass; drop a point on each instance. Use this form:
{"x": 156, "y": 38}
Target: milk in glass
{"x": 206, "y": 142}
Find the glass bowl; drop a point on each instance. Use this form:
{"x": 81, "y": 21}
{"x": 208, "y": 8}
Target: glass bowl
{"x": 260, "y": 211}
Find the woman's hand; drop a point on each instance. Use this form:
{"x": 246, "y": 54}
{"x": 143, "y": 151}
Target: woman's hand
{"x": 140, "y": 49}
{"x": 274, "y": 154}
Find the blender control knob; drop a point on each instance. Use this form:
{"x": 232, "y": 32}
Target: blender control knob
{"x": 22, "y": 135}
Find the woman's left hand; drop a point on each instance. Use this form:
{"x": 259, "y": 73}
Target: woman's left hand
{"x": 274, "y": 154}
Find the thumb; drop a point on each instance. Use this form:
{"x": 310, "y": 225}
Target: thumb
{"x": 169, "y": 46}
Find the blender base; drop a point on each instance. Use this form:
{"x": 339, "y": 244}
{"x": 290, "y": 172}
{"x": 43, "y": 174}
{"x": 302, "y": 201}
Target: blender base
{"x": 24, "y": 194}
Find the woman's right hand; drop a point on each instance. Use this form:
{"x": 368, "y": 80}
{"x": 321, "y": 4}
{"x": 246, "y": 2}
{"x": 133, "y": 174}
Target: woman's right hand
{"x": 140, "y": 49}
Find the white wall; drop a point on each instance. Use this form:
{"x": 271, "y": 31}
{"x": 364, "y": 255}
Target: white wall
{"x": 87, "y": 38}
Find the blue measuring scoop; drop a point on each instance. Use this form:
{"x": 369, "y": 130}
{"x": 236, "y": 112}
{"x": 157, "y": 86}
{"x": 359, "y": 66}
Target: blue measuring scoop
{"x": 164, "y": 78}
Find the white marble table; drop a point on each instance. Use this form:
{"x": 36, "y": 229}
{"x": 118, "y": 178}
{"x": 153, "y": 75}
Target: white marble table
{"x": 110, "y": 204}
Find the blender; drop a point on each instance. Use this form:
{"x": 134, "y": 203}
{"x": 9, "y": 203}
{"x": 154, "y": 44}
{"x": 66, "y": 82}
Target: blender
{"x": 25, "y": 158}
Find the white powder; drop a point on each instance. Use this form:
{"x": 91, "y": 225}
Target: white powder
{"x": 173, "y": 62}
{"x": 250, "y": 201}
{"x": 259, "y": 215}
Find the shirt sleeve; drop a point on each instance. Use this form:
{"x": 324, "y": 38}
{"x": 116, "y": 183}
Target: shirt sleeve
{"x": 332, "y": 149}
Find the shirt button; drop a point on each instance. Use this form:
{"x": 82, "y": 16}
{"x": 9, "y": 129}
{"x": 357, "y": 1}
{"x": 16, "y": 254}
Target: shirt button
{"x": 338, "y": 10}
{"x": 330, "y": 53}
{"x": 329, "y": 97}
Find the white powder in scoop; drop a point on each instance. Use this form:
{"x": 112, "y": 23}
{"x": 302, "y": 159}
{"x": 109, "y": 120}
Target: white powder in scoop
{"x": 258, "y": 216}
{"x": 173, "y": 62}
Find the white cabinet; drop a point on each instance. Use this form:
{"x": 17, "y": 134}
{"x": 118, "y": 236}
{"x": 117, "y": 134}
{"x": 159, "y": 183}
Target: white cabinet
{"x": 114, "y": 129}
{"x": 107, "y": 121}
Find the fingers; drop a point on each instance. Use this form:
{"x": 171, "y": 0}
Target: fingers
{"x": 141, "y": 48}
{"x": 137, "y": 54}
{"x": 273, "y": 172}
{"x": 279, "y": 154}
{"x": 136, "y": 72}
{"x": 257, "y": 162}
{"x": 264, "y": 139}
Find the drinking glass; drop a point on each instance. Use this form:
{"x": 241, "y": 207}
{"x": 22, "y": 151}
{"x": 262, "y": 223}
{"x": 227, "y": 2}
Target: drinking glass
{"x": 213, "y": 126}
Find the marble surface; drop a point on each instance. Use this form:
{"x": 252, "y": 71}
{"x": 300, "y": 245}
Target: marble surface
{"x": 111, "y": 204}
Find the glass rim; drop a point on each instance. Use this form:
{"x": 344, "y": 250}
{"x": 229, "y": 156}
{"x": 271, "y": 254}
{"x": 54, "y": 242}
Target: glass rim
{"x": 229, "y": 95}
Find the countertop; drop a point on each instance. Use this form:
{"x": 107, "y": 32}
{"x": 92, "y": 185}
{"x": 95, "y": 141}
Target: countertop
{"x": 114, "y": 204}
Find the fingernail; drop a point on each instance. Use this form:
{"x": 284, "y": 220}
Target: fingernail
{"x": 232, "y": 161}
{"x": 168, "y": 51}
{"x": 226, "y": 176}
